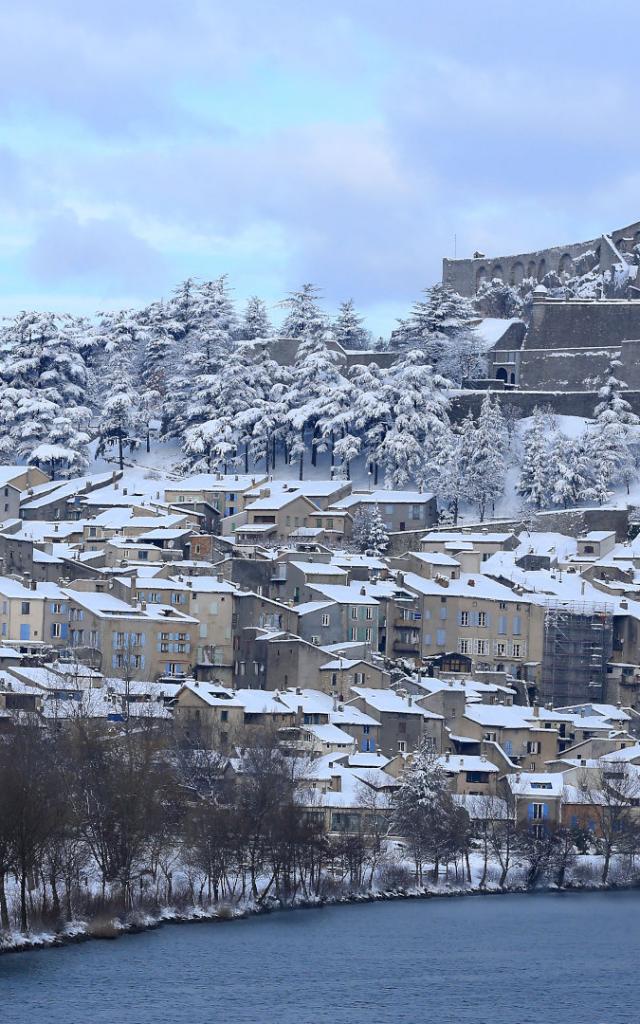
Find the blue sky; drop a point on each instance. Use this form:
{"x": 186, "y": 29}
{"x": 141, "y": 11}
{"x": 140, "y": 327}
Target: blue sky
{"x": 344, "y": 143}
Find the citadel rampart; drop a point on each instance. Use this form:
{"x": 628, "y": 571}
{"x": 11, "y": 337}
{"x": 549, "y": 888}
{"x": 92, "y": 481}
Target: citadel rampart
{"x": 466, "y": 276}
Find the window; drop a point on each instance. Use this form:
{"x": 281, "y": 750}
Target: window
{"x": 491, "y": 737}
{"x": 56, "y": 630}
{"x": 354, "y": 613}
{"x": 143, "y": 555}
{"x": 481, "y": 647}
{"x": 402, "y": 746}
{"x": 315, "y": 640}
{"x": 501, "y": 648}
{"x": 26, "y": 608}
{"x": 441, "y": 637}
{"x": 326, "y": 620}
{"x": 482, "y": 618}
{"x": 516, "y": 650}
{"x": 224, "y": 715}
{"x": 532, "y": 766}
{"x": 537, "y": 812}
{"x": 416, "y": 512}
{"x": 367, "y": 636}
{"x": 369, "y": 613}
{"x": 533, "y": 747}
{"x": 517, "y": 625}
{"x": 463, "y": 646}
{"x": 56, "y": 608}
{"x": 464, "y": 618}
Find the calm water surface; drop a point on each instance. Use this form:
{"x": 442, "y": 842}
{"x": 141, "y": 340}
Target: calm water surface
{"x": 501, "y": 960}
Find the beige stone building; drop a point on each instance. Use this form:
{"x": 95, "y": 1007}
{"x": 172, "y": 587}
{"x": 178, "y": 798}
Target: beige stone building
{"x": 482, "y": 619}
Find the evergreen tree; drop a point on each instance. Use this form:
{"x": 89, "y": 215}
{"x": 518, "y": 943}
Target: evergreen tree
{"x": 66, "y": 453}
{"x": 538, "y": 471}
{"x": 369, "y": 532}
{"x": 573, "y": 460}
{"x": 612, "y": 406}
{"x": 255, "y": 322}
{"x": 315, "y": 378}
{"x": 119, "y": 418}
{"x": 435, "y": 322}
{"x": 348, "y": 328}
{"x": 305, "y": 318}
{"x": 371, "y": 408}
{"x": 423, "y": 808}
{"x": 489, "y": 458}
{"x": 419, "y": 416}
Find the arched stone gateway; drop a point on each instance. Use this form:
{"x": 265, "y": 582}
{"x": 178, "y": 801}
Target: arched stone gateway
{"x": 497, "y": 272}
{"x": 501, "y": 374}
{"x": 517, "y": 273}
{"x": 481, "y": 277}
{"x": 566, "y": 265}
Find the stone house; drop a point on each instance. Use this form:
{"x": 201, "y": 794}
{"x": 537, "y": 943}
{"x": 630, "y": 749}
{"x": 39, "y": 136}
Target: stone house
{"x": 403, "y": 723}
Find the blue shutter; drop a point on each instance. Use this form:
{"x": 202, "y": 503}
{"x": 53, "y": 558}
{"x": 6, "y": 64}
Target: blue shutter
{"x": 517, "y": 627}
{"x": 488, "y": 619}
{"x": 502, "y": 624}
{"x": 142, "y": 661}
{"x": 114, "y": 661}
{"x": 459, "y": 616}
{"x": 443, "y": 611}
{"x": 143, "y": 639}
{"x": 545, "y": 810}
{"x": 508, "y": 748}
{"x": 64, "y": 630}
{"x": 530, "y": 812}
{"x": 25, "y": 631}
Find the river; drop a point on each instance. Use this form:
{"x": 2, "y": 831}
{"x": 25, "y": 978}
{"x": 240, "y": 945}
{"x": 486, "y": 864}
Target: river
{"x": 470, "y": 960}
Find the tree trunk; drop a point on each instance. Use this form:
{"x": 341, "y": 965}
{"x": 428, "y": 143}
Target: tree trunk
{"x": 4, "y": 910}
{"x": 23, "y": 899}
{"x": 120, "y": 451}
{"x": 246, "y": 457}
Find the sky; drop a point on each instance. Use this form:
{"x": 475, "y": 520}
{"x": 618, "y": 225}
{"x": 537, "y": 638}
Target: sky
{"x": 351, "y": 143}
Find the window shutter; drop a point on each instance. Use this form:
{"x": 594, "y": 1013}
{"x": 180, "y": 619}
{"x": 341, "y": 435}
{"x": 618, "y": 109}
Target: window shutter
{"x": 64, "y": 631}
{"x": 459, "y": 618}
{"x": 530, "y": 812}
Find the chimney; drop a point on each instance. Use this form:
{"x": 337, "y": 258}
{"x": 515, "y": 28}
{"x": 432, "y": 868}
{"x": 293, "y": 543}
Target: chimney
{"x": 447, "y": 756}
{"x": 536, "y": 711}
{"x": 400, "y": 579}
{"x": 363, "y": 591}
{"x": 471, "y": 583}
{"x": 56, "y": 527}
{"x": 583, "y": 762}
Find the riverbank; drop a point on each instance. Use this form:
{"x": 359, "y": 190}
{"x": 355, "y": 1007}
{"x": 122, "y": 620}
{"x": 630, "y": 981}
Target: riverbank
{"x": 107, "y": 927}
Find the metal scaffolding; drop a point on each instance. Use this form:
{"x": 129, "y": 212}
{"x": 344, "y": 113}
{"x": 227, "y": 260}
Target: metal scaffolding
{"x": 578, "y": 638}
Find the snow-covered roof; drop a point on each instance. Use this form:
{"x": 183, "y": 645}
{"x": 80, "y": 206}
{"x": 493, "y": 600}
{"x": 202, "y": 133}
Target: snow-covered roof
{"x": 389, "y": 701}
{"x": 466, "y": 763}
{"x": 382, "y": 497}
{"x": 343, "y": 594}
{"x": 536, "y": 784}
{"x": 491, "y": 330}
{"x": 319, "y": 569}
{"x": 471, "y": 585}
{"x": 330, "y": 734}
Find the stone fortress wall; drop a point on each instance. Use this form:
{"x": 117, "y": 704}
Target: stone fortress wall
{"x": 466, "y": 276}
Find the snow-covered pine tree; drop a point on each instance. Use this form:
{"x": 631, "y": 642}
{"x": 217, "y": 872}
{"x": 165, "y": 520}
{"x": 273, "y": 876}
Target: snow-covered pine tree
{"x": 573, "y": 460}
{"x": 119, "y": 417}
{"x": 419, "y": 415}
{"x": 255, "y": 322}
{"x": 210, "y": 345}
{"x": 538, "y": 471}
{"x": 305, "y": 318}
{"x": 369, "y": 534}
{"x": 348, "y": 328}
{"x": 43, "y": 367}
{"x": 315, "y": 373}
{"x": 435, "y": 321}
{"x": 612, "y": 407}
{"x": 371, "y": 411}
{"x": 489, "y": 459}
{"x": 66, "y": 452}
{"x": 423, "y": 806}
{"x": 451, "y": 468}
